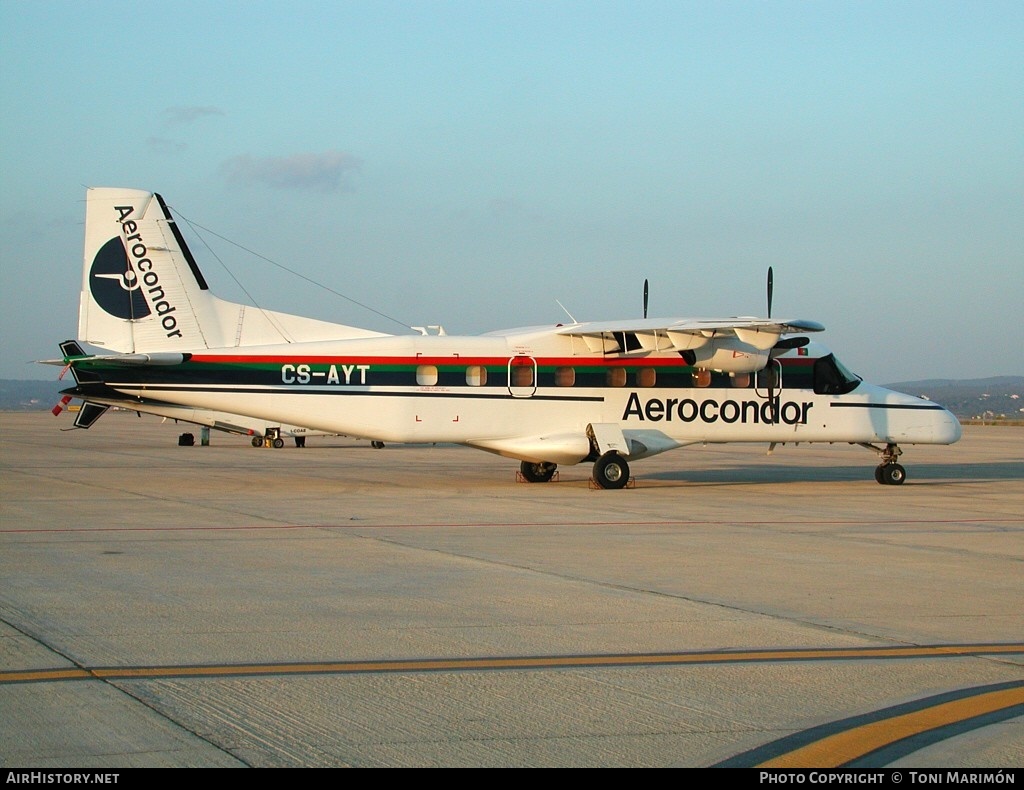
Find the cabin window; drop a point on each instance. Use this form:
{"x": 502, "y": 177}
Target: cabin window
{"x": 476, "y": 375}
{"x": 426, "y": 375}
{"x": 616, "y": 377}
{"x": 740, "y": 380}
{"x": 522, "y": 375}
{"x": 645, "y": 377}
{"x": 768, "y": 378}
{"x": 702, "y": 378}
{"x": 565, "y": 376}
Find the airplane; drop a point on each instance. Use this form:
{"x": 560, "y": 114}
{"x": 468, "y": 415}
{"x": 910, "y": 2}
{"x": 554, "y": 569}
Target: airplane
{"x": 603, "y": 392}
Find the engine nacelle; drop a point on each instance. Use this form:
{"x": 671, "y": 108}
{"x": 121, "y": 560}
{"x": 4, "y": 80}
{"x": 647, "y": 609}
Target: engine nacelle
{"x": 730, "y": 355}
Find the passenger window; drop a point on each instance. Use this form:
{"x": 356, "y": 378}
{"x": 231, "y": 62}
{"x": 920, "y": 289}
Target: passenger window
{"x": 702, "y": 378}
{"x": 740, "y": 380}
{"x": 522, "y": 375}
{"x": 476, "y": 375}
{"x": 565, "y": 376}
{"x": 616, "y": 377}
{"x": 768, "y": 378}
{"x": 426, "y": 375}
{"x": 645, "y": 377}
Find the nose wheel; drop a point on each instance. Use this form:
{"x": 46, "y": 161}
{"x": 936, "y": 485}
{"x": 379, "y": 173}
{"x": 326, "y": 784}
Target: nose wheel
{"x": 890, "y": 474}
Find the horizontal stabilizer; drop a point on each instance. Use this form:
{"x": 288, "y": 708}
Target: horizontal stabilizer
{"x": 155, "y": 358}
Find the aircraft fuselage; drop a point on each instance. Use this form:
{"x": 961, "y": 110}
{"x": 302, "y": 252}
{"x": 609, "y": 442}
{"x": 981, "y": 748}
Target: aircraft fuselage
{"x": 481, "y": 391}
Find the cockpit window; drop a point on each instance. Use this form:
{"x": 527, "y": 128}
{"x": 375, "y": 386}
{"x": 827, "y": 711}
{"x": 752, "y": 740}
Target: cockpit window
{"x": 831, "y": 378}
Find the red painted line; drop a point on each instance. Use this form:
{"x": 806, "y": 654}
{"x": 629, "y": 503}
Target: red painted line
{"x": 442, "y": 361}
{"x": 513, "y": 662}
{"x": 505, "y": 525}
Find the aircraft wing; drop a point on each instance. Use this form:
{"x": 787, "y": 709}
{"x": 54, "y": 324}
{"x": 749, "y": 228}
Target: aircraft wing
{"x": 652, "y": 334}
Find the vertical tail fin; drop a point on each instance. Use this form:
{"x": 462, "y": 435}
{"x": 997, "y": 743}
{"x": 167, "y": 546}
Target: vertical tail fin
{"x": 142, "y": 290}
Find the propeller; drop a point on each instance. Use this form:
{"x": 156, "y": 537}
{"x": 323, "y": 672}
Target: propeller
{"x": 645, "y": 298}
{"x": 771, "y": 372}
{"x": 783, "y": 345}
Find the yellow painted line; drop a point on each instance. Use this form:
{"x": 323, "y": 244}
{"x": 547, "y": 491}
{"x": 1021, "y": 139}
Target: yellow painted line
{"x": 514, "y": 662}
{"x": 841, "y": 748}
{"x": 25, "y": 675}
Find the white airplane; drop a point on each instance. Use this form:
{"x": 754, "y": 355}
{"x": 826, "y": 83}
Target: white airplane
{"x": 608, "y": 392}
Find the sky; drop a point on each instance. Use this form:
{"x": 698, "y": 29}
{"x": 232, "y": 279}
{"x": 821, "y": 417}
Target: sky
{"x": 485, "y": 164}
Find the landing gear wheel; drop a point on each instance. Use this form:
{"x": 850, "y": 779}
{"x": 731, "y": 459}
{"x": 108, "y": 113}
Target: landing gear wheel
{"x": 278, "y": 443}
{"x": 611, "y": 471}
{"x": 537, "y": 473}
{"x": 878, "y": 474}
{"x": 893, "y": 475}
{"x": 376, "y": 445}
{"x": 257, "y": 441}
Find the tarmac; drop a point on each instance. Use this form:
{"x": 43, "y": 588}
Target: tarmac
{"x": 339, "y": 605}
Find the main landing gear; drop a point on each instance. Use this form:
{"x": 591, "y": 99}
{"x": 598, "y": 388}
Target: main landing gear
{"x": 271, "y": 439}
{"x": 888, "y": 473}
{"x": 611, "y": 471}
{"x": 537, "y": 473}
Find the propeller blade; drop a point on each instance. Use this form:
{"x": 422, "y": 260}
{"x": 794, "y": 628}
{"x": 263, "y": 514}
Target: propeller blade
{"x": 787, "y": 343}
{"x": 771, "y": 287}
{"x": 645, "y": 298}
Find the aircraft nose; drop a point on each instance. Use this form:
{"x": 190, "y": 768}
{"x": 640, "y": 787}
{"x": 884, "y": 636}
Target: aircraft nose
{"x": 948, "y": 429}
{"x": 943, "y": 427}
{"x": 923, "y": 421}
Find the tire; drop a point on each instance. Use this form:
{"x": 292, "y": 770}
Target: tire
{"x": 257, "y": 441}
{"x": 878, "y": 474}
{"x": 537, "y": 473}
{"x": 611, "y": 471}
{"x": 893, "y": 475}
{"x": 377, "y": 445}
{"x": 278, "y": 443}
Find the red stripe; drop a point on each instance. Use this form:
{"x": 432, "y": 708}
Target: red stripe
{"x": 446, "y": 361}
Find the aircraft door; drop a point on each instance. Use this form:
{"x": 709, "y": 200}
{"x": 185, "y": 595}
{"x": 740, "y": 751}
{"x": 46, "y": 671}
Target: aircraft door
{"x": 522, "y": 376}
{"x": 768, "y": 385}
{"x": 769, "y": 379}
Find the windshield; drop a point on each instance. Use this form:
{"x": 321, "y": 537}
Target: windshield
{"x": 831, "y": 378}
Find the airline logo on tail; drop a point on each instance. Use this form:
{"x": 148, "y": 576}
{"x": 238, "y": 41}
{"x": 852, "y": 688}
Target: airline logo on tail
{"x": 122, "y": 270}
{"x": 115, "y": 285}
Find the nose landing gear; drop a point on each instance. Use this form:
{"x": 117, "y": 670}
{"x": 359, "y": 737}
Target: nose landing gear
{"x": 891, "y": 474}
{"x": 888, "y": 473}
